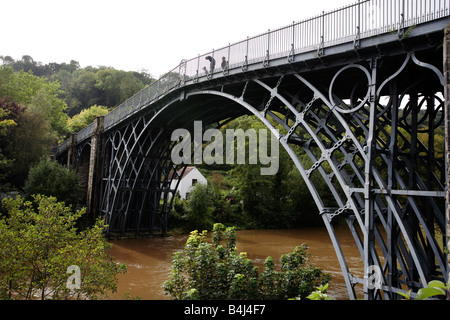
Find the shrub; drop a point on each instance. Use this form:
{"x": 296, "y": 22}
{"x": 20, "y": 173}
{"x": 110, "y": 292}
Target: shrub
{"x": 215, "y": 270}
{"x": 37, "y": 246}
{"x": 53, "y": 179}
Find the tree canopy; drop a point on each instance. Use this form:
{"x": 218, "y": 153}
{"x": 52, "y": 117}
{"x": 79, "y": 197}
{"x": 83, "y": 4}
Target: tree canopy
{"x": 82, "y": 88}
{"x": 40, "y": 104}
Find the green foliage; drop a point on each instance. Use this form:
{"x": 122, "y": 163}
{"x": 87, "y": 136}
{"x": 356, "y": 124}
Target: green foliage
{"x": 269, "y": 201}
{"x": 320, "y": 293}
{"x": 117, "y": 85}
{"x": 7, "y": 122}
{"x": 215, "y": 270}
{"x": 22, "y": 143}
{"x": 200, "y": 207}
{"x": 205, "y": 204}
{"x": 36, "y": 101}
{"x": 39, "y": 241}
{"x": 33, "y": 105}
{"x": 53, "y": 179}
{"x": 434, "y": 288}
{"x": 85, "y": 117}
{"x": 83, "y": 87}
{"x": 37, "y": 93}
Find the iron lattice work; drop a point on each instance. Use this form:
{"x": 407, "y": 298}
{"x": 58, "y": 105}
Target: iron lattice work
{"x": 136, "y": 176}
{"x": 367, "y": 134}
{"x": 370, "y": 140}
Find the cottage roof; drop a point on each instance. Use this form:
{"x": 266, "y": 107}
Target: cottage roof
{"x": 186, "y": 172}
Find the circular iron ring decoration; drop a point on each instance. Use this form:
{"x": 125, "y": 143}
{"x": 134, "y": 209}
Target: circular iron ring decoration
{"x": 366, "y": 98}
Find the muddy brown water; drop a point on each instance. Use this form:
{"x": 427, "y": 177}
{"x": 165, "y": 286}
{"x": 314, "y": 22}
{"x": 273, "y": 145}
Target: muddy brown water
{"x": 149, "y": 260}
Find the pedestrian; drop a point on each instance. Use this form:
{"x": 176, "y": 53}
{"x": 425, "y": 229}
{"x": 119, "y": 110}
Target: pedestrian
{"x": 224, "y": 64}
{"x": 212, "y": 63}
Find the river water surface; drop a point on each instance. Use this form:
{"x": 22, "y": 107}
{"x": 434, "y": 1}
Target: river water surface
{"x": 149, "y": 260}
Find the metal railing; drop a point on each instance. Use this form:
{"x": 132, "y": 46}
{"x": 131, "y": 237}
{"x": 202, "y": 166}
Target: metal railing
{"x": 351, "y": 23}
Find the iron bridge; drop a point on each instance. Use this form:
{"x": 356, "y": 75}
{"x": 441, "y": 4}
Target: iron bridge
{"x": 360, "y": 90}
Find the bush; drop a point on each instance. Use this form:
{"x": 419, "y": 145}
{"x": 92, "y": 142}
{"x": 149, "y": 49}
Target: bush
{"x": 215, "y": 270}
{"x": 200, "y": 207}
{"x": 53, "y": 179}
{"x": 38, "y": 246}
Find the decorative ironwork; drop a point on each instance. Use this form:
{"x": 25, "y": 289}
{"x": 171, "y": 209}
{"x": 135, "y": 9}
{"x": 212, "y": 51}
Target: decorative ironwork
{"x": 383, "y": 179}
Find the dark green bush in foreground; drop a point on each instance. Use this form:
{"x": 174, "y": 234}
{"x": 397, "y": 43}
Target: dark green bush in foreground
{"x": 215, "y": 270}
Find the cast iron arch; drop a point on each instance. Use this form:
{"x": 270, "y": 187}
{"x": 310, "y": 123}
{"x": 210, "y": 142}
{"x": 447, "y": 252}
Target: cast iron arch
{"x": 352, "y": 146}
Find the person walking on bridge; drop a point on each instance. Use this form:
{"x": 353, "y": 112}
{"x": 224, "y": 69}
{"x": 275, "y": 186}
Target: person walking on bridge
{"x": 212, "y": 64}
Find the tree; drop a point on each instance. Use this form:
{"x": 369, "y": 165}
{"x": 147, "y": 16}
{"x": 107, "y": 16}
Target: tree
{"x": 53, "y": 111}
{"x": 200, "y": 207}
{"x": 81, "y": 89}
{"x": 50, "y": 178}
{"x": 85, "y": 118}
{"x": 28, "y": 143}
{"x": 117, "y": 85}
{"x": 36, "y": 93}
{"x": 6, "y": 124}
{"x": 37, "y": 247}
{"x": 78, "y": 87}
{"x": 215, "y": 270}
{"x": 23, "y": 142}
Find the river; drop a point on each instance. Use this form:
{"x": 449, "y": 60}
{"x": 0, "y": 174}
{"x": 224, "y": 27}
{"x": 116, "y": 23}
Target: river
{"x": 149, "y": 260}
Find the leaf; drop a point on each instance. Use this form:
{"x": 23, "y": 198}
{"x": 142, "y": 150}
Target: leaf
{"x": 437, "y": 284}
{"x": 406, "y": 295}
{"x": 425, "y": 293}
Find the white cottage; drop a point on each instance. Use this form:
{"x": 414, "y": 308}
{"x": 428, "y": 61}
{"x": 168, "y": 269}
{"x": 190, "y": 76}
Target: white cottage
{"x": 190, "y": 178}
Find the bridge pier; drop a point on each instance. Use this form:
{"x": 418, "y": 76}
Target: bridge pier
{"x": 447, "y": 131}
{"x": 92, "y": 185}
{"x": 71, "y": 150}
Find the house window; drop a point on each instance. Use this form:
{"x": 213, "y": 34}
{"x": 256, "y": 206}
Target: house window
{"x": 194, "y": 182}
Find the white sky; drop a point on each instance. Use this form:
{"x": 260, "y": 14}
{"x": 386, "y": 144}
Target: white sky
{"x": 140, "y": 34}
